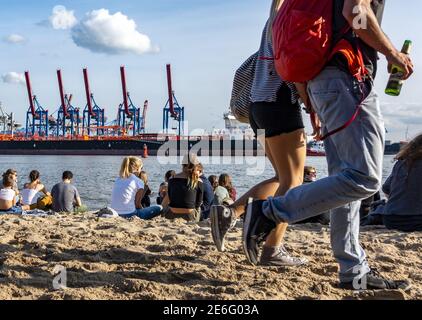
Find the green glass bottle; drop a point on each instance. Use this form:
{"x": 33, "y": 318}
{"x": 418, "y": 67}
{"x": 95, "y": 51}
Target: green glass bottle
{"x": 395, "y": 83}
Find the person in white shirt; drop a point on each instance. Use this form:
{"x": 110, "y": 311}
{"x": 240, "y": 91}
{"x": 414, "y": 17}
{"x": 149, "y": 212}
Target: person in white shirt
{"x": 31, "y": 189}
{"x": 128, "y": 191}
{"x": 8, "y": 196}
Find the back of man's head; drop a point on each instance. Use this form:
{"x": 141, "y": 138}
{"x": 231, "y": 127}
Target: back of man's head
{"x": 67, "y": 175}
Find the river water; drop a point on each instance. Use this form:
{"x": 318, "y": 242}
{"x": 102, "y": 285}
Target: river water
{"x": 94, "y": 175}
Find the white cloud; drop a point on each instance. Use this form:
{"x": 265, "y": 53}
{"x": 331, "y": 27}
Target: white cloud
{"x": 13, "y": 78}
{"x": 103, "y": 32}
{"x": 62, "y": 19}
{"x": 14, "y": 38}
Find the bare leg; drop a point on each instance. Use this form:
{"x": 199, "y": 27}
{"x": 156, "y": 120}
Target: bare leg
{"x": 261, "y": 191}
{"x": 289, "y": 154}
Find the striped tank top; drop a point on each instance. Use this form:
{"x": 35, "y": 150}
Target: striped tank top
{"x": 267, "y": 82}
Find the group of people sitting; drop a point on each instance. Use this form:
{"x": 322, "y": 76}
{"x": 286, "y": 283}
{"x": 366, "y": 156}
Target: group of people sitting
{"x": 190, "y": 195}
{"x": 64, "y": 196}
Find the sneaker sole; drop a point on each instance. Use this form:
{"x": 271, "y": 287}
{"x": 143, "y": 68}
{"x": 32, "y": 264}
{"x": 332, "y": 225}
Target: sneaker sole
{"x": 215, "y": 231}
{"x": 249, "y": 254}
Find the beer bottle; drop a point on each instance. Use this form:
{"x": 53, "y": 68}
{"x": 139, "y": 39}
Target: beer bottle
{"x": 395, "y": 83}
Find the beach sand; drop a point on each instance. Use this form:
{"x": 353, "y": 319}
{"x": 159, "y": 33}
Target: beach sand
{"x": 135, "y": 259}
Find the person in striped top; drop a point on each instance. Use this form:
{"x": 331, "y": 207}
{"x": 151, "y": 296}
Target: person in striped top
{"x": 276, "y": 118}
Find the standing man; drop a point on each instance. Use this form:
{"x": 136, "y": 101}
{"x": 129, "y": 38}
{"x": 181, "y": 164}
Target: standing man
{"x": 354, "y": 155}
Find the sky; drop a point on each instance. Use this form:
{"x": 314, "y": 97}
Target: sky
{"x": 204, "y": 40}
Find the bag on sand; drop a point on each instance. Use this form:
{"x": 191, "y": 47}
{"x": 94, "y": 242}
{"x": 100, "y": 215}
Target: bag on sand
{"x": 43, "y": 203}
{"x": 242, "y": 86}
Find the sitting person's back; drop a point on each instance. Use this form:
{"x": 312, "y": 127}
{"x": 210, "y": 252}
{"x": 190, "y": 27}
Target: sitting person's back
{"x": 403, "y": 188}
{"x": 181, "y": 195}
{"x": 185, "y": 192}
{"x": 124, "y": 193}
{"x": 31, "y": 189}
{"x": 129, "y": 190}
{"x": 8, "y": 196}
{"x": 65, "y": 195}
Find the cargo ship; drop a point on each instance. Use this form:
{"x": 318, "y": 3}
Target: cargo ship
{"x": 75, "y": 131}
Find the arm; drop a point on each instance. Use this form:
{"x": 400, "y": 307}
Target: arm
{"x": 138, "y": 198}
{"x": 373, "y": 35}
{"x": 199, "y": 196}
{"x": 41, "y": 188}
{"x": 78, "y": 202}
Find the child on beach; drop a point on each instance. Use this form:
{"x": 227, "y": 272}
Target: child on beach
{"x": 128, "y": 191}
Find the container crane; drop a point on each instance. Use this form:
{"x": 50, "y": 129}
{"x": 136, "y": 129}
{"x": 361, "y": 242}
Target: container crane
{"x": 129, "y": 116}
{"x": 93, "y": 115}
{"x": 68, "y": 117}
{"x": 172, "y": 109}
{"x": 37, "y": 121}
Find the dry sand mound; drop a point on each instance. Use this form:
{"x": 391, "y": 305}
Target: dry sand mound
{"x": 119, "y": 259}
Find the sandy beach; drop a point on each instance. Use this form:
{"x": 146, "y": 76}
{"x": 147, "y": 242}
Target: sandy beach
{"x": 135, "y": 259}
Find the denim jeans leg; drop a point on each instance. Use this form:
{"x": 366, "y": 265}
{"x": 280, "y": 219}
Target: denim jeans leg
{"x": 344, "y": 227}
{"x": 149, "y": 213}
{"x": 355, "y": 157}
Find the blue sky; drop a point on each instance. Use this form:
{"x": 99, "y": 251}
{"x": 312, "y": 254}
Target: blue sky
{"x": 204, "y": 40}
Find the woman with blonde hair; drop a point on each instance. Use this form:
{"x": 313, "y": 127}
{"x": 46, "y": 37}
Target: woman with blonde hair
{"x": 129, "y": 190}
{"x": 185, "y": 192}
{"x": 403, "y": 188}
{"x": 276, "y": 118}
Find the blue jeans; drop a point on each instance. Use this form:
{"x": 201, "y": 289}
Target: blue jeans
{"x": 354, "y": 158}
{"x": 13, "y": 210}
{"x": 146, "y": 213}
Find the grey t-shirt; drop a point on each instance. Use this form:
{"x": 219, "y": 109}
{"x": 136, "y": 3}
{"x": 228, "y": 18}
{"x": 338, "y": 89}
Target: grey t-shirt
{"x": 64, "y": 195}
{"x": 404, "y": 190}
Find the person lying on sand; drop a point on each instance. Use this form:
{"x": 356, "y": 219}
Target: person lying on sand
{"x": 128, "y": 191}
{"x": 8, "y": 196}
{"x": 185, "y": 192}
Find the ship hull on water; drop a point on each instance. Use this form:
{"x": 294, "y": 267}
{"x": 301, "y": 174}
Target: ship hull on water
{"x": 203, "y": 147}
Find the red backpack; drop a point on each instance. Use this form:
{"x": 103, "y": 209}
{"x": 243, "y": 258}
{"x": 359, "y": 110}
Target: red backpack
{"x": 303, "y": 41}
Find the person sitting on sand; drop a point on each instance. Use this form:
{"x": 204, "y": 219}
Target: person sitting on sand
{"x": 65, "y": 195}
{"x": 31, "y": 190}
{"x": 146, "y": 200}
{"x": 403, "y": 188}
{"x": 222, "y": 192}
{"x": 14, "y": 175}
{"x": 185, "y": 192}
{"x": 128, "y": 191}
{"x": 208, "y": 197}
{"x": 213, "y": 181}
{"x": 162, "y": 192}
{"x": 8, "y": 196}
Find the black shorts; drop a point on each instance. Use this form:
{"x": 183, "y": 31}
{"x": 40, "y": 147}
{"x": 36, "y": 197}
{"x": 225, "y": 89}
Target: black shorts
{"x": 277, "y": 117}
